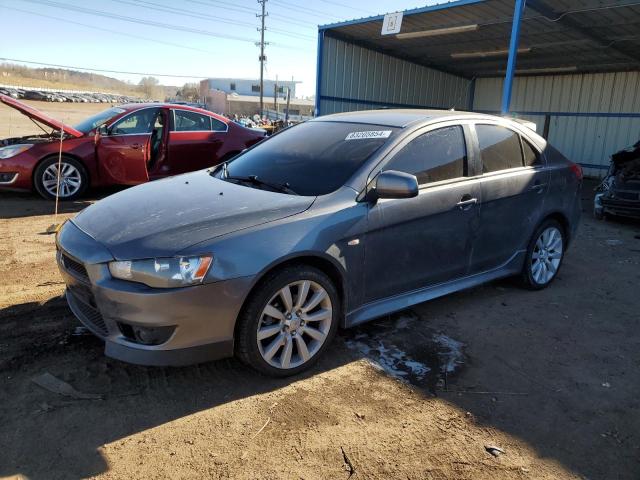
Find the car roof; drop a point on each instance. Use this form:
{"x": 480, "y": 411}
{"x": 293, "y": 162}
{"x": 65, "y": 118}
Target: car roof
{"x": 130, "y": 107}
{"x": 399, "y": 118}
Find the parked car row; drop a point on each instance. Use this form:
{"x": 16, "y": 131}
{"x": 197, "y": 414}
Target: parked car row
{"x": 124, "y": 145}
{"x": 49, "y": 96}
{"x": 327, "y": 224}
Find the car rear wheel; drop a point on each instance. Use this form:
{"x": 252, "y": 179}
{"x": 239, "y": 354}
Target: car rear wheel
{"x": 288, "y": 321}
{"x": 544, "y": 255}
{"x": 73, "y": 178}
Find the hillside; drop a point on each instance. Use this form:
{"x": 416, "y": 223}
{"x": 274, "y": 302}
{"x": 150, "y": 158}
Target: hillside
{"x": 58, "y": 78}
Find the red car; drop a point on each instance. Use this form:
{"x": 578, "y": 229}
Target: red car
{"x": 124, "y": 145}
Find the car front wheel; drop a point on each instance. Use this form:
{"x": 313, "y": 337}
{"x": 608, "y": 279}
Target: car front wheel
{"x": 544, "y": 255}
{"x": 288, "y": 321}
{"x": 73, "y": 178}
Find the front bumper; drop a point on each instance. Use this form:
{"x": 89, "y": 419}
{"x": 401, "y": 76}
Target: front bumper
{"x": 615, "y": 206}
{"x": 203, "y": 316}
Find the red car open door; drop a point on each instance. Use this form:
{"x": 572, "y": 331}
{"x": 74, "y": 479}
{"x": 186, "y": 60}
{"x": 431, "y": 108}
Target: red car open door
{"x": 123, "y": 151}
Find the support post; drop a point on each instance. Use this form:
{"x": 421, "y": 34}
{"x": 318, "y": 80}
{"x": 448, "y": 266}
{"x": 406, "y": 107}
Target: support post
{"x": 472, "y": 94}
{"x": 513, "y": 56}
{"x": 319, "y": 71}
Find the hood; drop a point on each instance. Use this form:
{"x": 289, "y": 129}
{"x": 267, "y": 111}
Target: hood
{"x": 626, "y": 155}
{"x": 164, "y": 217}
{"x": 39, "y": 116}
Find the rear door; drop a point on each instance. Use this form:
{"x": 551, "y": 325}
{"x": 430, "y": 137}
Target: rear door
{"x": 514, "y": 185}
{"x": 195, "y": 141}
{"x": 123, "y": 152}
{"x": 422, "y": 241}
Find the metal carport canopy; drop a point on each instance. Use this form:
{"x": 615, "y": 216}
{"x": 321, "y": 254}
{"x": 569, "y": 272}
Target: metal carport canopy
{"x": 471, "y": 38}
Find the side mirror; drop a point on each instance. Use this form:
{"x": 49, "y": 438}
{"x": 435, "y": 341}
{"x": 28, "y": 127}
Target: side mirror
{"x": 103, "y": 130}
{"x": 394, "y": 184}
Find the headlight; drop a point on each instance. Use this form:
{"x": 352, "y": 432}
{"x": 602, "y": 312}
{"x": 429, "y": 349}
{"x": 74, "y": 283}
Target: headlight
{"x": 163, "y": 272}
{"x": 13, "y": 150}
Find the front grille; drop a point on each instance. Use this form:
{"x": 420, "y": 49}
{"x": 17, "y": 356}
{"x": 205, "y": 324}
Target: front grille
{"x": 75, "y": 268}
{"x": 626, "y": 195}
{"x": 88, "y": 315}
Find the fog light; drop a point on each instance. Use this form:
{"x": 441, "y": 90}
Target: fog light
{"x": 146, "y": 335}
{"x": 7, "y": 177}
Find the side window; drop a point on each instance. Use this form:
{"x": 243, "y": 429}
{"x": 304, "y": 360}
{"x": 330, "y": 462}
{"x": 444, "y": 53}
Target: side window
{"x": 188, "y": 121}
{"x": 218, "y": 125}
{"x": 434, "y": 156}
{"x": 499, "y": 148}
{"x": 531, "y": 156}
{"x": 137, "y": 123}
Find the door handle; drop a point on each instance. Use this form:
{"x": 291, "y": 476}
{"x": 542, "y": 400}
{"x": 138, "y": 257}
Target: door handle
{"x": 538, "y": 187}
{"x": 136, "y": 146}
{"x": 466, "y": 202}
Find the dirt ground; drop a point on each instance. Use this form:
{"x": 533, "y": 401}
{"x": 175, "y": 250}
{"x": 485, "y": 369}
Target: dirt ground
{"x": 14, "y": 124}
{"x": 552, "y": 378}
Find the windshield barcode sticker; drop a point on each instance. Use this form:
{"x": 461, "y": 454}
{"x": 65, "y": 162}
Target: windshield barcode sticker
{"x": 370, "y": 134}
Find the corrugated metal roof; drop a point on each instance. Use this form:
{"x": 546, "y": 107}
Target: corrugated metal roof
{"x": 556, "y": 35}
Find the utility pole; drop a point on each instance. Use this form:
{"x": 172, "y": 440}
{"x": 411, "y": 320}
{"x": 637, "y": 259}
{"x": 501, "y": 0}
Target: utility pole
{"x": 286, "y": 115}
{"x": 275, "y": 97}
{"x": 262, "y": 56}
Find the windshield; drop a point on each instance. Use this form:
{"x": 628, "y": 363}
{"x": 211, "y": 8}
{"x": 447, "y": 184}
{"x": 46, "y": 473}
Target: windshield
{"x": 313, "y": 158}
{"x": 98, "y": 119}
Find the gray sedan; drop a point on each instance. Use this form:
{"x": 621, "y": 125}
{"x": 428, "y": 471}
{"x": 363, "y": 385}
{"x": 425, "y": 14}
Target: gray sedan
{"x": 327, "y": 224}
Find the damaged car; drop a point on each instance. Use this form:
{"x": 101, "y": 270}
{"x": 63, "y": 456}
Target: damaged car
{"x": 327, "y": 224}
{"x": 125, "y": 145}
{"x": 619, "y": 192}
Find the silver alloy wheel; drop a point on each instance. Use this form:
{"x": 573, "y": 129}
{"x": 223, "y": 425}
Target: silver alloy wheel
{"x": 294, "y": 324}
{"x": 70, "y": 180}
{"x": 546, "y": 256}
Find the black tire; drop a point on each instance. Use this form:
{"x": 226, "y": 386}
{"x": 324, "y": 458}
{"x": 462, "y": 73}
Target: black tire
{"x": 42, "y": 167}
{"x": 247, "y": 328}
{"x": 527, "y": 277}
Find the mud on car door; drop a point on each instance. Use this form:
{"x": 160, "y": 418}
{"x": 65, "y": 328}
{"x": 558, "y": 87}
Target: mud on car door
{"x": 123, "y": 148}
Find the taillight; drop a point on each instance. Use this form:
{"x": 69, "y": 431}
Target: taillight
{"x": 577, "y": 170}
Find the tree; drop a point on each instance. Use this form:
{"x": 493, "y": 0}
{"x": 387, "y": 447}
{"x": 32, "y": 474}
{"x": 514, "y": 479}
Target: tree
{"x": 189, "y": 92}
{"x": 150, "y": 88}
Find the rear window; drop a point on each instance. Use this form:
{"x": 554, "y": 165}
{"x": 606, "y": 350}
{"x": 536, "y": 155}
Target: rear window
{"x": 499, "y": 148}
{"x": 531, "y": 157}
{"x": 187, "y": 121}
{"x": 313, "y": 158}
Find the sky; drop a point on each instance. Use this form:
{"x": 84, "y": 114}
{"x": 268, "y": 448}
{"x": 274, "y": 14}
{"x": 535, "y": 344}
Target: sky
{"x": 194, "y": 38}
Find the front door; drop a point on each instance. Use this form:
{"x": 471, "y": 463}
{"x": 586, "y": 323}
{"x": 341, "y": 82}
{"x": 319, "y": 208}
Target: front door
{"x": 123, "y": 152}
{"x": 514, "y": 184}
{"x": 426, "y": 240}
{"x": 195, "y": 141}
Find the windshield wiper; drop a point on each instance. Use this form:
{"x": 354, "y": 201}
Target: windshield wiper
{"x": 253, "y": 180}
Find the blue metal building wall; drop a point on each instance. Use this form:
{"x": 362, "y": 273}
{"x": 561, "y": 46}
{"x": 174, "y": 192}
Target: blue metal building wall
{"x": 591, "y": 115}
{"x": 356, "y": 78}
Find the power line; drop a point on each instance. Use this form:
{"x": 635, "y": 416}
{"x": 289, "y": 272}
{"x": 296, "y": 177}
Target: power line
{"x": 192, "y": 14}
{"x": 239, "y": 8}
{"x": 305, "y": 10}
{"x": 100, "y": 69}
{"x": 338, "y": 4}
{"x": 93, "y": 27}
{"x": 138, "y": 20}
